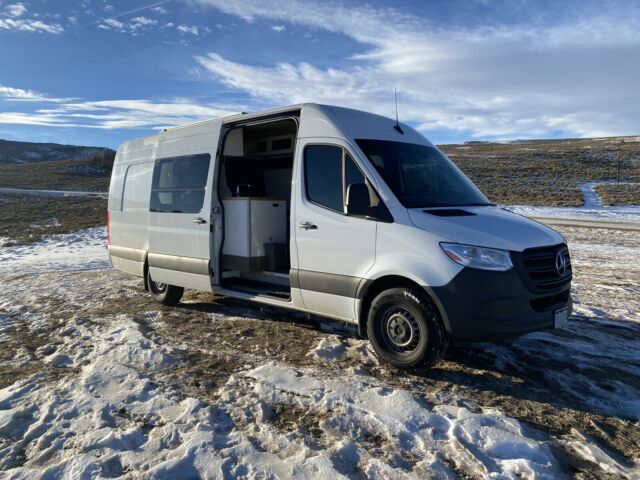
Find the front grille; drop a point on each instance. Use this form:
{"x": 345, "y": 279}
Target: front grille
{"x": 540, "y": 265}
{"x": 550, "y": 302}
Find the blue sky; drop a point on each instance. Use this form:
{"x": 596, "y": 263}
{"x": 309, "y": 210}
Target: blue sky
{"x": 98, "y": 72}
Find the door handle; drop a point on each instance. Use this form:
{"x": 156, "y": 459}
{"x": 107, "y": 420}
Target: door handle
{"x": 307, "y": 226}
{"x": 199, "y": 220}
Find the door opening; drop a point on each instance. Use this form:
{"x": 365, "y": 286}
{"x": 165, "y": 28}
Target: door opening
{"x": 254, "y": 187}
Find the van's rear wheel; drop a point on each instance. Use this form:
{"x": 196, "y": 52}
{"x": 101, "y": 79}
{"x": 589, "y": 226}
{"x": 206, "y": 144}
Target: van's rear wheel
{"x": 405, "y": 330}
{"x": 163, "y": 292}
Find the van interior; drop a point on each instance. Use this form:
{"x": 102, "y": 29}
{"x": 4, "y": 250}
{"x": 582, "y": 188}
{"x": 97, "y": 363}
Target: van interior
{"x": 255, "y": 191}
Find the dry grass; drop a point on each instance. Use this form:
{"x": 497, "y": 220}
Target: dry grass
{"x": 28, "y": 218}
{"x": 623, "y": 194}
{"x": 545, "y": 172}
{"x": 92, "y": 174}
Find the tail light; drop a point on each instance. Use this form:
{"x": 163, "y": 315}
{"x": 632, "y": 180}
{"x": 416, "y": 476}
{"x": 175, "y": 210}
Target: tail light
{"x": 108, "y": 227}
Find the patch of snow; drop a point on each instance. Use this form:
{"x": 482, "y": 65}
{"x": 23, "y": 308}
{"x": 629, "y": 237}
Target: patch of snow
{"x": 53, "y": 222}
{"x": 6, "y": 323}
{"x": 485, "y": 443}
{"x": 591, "y": 210}
{"x": 594, "y": 454}
{"x": 111, "y": 419}
{"x": 32, "y": 155}
{"x": 333, "y": 348}
{"x": 329, "y": 348}
{"x": 89, "y": 170}
{"x": 81, "y": 250}
{"x": 53, "y": 193}
{"x": 628, "y": 214}
{"x": 591, "y": 197}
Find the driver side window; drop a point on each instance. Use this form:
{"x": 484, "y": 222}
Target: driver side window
{"x": 328, "y": 172}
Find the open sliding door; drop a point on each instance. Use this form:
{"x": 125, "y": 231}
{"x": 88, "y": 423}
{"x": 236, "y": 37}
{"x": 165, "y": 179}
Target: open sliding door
{"x": 181, "y": 224}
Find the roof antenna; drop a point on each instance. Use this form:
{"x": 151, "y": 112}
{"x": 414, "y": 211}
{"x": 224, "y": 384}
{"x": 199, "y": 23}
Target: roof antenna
{"x": 397, "y": 126}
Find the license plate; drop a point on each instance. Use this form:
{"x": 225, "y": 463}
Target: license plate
{"x": 561, "y": 316}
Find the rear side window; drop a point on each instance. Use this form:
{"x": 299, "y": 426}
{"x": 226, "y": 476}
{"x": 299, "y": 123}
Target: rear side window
{"x": 323, "y": 175}
{"x": 179, "y": 183}
{"x": 136, "y": 187}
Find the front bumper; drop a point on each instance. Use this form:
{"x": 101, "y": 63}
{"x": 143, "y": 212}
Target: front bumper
{"x": 484, "y": 305}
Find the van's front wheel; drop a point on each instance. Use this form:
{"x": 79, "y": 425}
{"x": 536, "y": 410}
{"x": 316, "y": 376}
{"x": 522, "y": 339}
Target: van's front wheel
{"x": 405, "y": 329}
{"x": 163, "y": 292}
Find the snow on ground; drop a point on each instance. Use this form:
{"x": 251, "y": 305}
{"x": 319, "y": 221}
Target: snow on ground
{"x": 53, "y": 193}
{"x": 482, "y": 443}
{"x": 591, "y": 197}
{"x": 82, "y": 250}
{"x": 103, "y": 401}
{"x": 110, "y": 419}
{"x": 615, "y": 214}
{"x": 591, "y": 210}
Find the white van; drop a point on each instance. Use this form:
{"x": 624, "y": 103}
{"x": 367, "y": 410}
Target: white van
{"x": 336, "y": 212}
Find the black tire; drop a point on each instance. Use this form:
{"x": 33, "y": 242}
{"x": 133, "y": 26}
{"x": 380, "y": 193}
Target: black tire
{"x": 405, "y": 329}
{"x": 164, "y": 293}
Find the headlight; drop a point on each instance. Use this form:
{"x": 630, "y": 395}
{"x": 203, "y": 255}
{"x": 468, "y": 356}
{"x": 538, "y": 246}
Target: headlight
{"x": 478, "y": 257}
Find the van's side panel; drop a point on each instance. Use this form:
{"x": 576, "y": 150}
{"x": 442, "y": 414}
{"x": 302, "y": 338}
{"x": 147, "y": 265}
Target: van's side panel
{"x": 180, "y": 243}
{"x": 129, "y": 204}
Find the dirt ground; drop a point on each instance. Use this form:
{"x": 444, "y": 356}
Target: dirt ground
{"x": 575, "y": 386}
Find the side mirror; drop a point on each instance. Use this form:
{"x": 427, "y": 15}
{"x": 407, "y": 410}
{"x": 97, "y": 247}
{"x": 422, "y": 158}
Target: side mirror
{"x": 359, "y": 200}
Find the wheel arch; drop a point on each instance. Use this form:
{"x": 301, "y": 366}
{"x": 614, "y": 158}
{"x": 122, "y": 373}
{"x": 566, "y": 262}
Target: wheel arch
{"x": 369, "y": 289}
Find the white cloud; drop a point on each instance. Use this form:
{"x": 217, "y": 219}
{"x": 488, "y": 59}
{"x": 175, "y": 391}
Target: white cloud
{"x": 188, "y": 29}
{"x": 18, "y": 118}
{"x": 19, "y": 94}
{"x": 15, "y": 10}
{"x": 12, "y": 20}
{"x": 143, "y": 21}
{"x": 278, "y": 28}
{"x": 113, "y": 23}
{"x": 134, "y": 26}
{"x": 576, "y": 76}
{"x": 108, "y": 8}
{"x": 32, "y": 26}
{"x": 106, "y": 114}
{"x": 159, "y": 10}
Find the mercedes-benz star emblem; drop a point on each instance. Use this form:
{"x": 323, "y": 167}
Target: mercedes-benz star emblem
{"x": 561, "y": 263}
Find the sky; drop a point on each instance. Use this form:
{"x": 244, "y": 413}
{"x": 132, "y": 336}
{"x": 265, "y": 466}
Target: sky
{"x": 99, "y": 72}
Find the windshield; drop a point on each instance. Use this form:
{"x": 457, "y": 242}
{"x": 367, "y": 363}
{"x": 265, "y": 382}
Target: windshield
{"x": 421, "y": 176}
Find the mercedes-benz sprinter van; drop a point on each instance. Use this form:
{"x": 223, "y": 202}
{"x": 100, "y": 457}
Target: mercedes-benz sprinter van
{"x": 340, "y": 213}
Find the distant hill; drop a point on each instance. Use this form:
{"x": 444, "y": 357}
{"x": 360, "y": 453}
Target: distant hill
{"x": 548, "y": 172}
{"x": 28, "y": 152}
